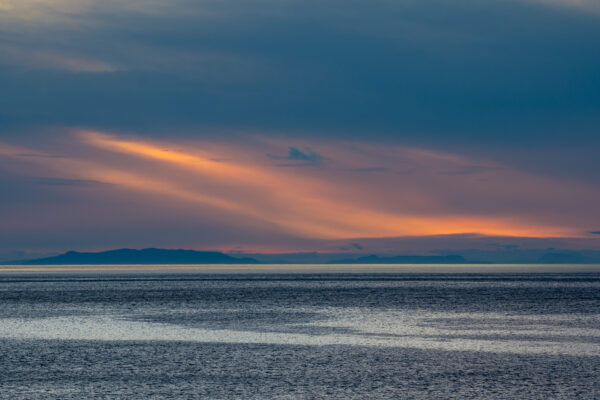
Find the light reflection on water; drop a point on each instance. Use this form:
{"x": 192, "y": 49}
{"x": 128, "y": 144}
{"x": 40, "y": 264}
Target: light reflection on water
{"x": 376, "y": 335}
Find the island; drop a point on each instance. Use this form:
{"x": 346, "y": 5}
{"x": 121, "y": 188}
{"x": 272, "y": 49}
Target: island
{"x": 144, "y": 256}
{"x": 373, "y": 259}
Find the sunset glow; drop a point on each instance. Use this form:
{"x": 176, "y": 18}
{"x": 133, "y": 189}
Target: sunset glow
{"x": 283, "y": 127}
{"x": 293, "y": 200}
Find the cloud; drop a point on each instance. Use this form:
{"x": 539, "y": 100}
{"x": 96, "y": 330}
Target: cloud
{"x": 33, "y": 59}
{"x": 306, "y": 155}
{"x": 198, "y": 67}
{"x": 595, "y": 232}
{"x": 38, "y": 155}
{"x": 372, "y": 169}
{"x": 471, "y": 169}
{"x": 243, "y": 189}
{"x": 590, "y": 6}
{"x": 490, "y": 122}
{"x": 74, "y": 64}
{"x": 68, "y": 182}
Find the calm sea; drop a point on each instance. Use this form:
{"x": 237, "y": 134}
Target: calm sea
{"x": 341, "y": 335}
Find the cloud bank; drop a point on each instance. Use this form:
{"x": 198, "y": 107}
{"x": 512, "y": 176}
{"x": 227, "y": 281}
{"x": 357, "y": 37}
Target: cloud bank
{"x": 237, "y": 189}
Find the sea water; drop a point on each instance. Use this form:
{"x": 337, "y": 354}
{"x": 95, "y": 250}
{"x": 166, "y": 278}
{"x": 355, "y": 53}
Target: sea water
{"x": 298, "y": 335}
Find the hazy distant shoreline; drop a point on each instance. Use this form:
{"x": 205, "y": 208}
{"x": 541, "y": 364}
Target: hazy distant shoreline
{"x": 309, "y": 268}
{"x": 154, "y": 256}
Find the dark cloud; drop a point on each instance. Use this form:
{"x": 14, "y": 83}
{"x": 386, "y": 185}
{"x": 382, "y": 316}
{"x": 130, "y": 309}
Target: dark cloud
{"x": 356, "y": 246}
{"x": 441, "y": 71}
{"x": 306, "y": 156}
{"x": 295, "y": 154}
{"x": 68, "y": 182}
{"x": 595, "y": 232}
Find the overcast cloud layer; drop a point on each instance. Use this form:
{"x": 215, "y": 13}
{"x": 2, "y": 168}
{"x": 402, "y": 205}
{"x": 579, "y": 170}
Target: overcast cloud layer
{"x": 511, "y": 88}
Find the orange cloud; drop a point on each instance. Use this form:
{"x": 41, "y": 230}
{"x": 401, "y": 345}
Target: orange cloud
{"x": 302, "y": 204}
{"x": 307, "y": 212}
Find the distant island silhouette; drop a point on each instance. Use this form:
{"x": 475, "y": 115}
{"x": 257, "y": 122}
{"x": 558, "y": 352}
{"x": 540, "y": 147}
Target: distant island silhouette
{"x": 565, "y": 258}
{"x": 373, "y": 259}
{"x": 145, "y": 256}
{"x": 180, "y": 257}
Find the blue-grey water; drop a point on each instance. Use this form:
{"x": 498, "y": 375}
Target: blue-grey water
{"x": 155, "y": 335}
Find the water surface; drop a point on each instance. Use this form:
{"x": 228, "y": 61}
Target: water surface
{"x": 350, "y": 333}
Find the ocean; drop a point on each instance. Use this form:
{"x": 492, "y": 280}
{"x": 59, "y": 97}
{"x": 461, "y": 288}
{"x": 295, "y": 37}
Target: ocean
{"x": 307, "y": 334}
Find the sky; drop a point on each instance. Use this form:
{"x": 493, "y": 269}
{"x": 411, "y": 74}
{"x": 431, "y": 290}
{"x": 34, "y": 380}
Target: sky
{"x": 289, "y": 126}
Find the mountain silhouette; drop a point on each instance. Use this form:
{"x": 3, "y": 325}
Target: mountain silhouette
{"x": 145, "y": 256}
{"x": 564, "y": 258}
{"x": 373, "y": 259}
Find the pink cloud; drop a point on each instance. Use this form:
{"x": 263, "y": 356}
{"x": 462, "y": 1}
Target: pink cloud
{"x": 359, "y": 191}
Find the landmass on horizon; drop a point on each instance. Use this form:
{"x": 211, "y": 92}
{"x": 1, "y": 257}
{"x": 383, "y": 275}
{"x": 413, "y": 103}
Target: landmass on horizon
{"x": 145, "y": 256}
{"x": 181, "y": 257}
